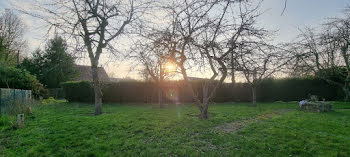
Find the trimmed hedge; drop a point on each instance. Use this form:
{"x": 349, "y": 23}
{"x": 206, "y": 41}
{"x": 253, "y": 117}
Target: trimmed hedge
{"x": 289, "y": 89}
{"x": 56, "y": 93}
{"x": 128, "y": 92}
{"x": 78, "y": 91}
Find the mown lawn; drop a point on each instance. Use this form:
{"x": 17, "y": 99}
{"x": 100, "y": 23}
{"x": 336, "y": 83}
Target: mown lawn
{"x": 278, "y": 129}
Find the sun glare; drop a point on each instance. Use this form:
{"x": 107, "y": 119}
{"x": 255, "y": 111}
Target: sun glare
{"x": 170, "y": 67}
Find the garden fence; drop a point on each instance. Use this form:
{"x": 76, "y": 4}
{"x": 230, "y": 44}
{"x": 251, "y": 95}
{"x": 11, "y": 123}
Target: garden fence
{"x": 8, "y": 96}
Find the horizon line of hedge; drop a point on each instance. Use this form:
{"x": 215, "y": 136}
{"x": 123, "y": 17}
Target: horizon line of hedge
{"x": 285, "y": 89}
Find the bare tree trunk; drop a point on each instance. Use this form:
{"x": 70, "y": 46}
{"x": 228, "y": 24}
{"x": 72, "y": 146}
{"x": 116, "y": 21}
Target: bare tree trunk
{"x": 346, "y": 88}
{"x": 233, "y": 79}
{"x": 204, "y": 111}
{"x": 97, "y": 90}
{"x": 254, "y": 95}
{"x": 346, "y": 92}
{"x": 160, "y": 97}
{"x": 204, "y": 106}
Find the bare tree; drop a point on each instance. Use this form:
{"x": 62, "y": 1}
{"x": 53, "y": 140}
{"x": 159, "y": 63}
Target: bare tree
{"x": 191, "y": 21}
{"x": 92, "y": 25}
{"x": 156, "y": 64}
{"x": 12, "y": 29}
{"x": 11, "y": 32}
{"x": 325, "y": 53}
{"x": 258, "y": 62}
{"x": 339, "y": 42}
{"x": 203, "y": 34}
{"x": 241, "y": 46}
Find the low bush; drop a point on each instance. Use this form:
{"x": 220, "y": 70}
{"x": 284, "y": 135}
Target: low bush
{"x": 51, "y": 100}
{"x": 11, "y": 77}
{"x": 6, "y": 122}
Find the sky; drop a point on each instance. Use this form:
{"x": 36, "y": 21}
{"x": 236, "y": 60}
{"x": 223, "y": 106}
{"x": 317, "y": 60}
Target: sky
{"x": 298, "y": 14}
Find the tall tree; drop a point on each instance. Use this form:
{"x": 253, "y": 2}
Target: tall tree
{"x": 53, "y": 65}
{"x": 259, "y": 61}
{"x": 94, "y": 24}
{"x": 6, "y": 58}
{"x": 203, "y": 34}
{"x": 325, "y": 53}
{"x": 156, "y": 64}
{"x": 11, "y": 36}
{"x": 12, "y": 29}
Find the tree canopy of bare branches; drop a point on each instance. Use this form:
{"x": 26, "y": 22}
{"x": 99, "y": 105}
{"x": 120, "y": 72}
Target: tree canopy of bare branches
{"x": 12, "y": 29}
{"x": 325, "y": 53}
{"x": 11, "y": 33}
{"x": 206, "y": 35}
{"x": 92, "y": 26}
{"x": 156, "y": 63}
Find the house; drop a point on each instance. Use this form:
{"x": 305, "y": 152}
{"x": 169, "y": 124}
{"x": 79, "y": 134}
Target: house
{"x": 194, "y": 78}
{"x": 85, "y": 73}
{"x": 125, "y": 79}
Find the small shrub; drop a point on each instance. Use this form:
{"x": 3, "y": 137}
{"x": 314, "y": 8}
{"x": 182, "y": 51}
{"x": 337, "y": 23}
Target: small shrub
{"x": 11, "y": 77}
{"x": 4, "y": 120}
{"x": 7, "y": 122}
{"x": 51, "y": 100}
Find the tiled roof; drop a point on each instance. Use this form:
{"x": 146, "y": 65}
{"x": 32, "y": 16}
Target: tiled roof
{"x": 86, "y": 75}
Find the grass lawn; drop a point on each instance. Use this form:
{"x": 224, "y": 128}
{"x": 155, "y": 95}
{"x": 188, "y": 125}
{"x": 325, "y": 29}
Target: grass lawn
{"x": 274, "y": 129}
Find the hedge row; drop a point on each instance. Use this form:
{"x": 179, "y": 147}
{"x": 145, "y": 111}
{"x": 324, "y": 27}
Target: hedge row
{"x": 82, "y": 91}
{"x": 290, "y": 89}
{"x": 78, "y": 91}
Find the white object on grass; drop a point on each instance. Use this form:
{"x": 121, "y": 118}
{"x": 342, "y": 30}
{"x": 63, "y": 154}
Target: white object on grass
{"x": 20, "y": 119}
{"x": 302, "y": 102}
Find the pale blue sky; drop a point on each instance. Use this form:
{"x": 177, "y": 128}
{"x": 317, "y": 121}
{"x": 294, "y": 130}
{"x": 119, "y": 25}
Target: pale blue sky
{"x": 298, "y": 14}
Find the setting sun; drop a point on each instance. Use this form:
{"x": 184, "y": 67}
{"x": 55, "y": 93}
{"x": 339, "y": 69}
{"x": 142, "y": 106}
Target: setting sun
{"x": 170, "y": 67}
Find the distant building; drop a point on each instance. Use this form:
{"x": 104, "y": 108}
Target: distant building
{"x": 194, "y": 78}
{"x": 114, "y": 79}
{"x": 85, "y": 73}
{"x": 122, "y": 79}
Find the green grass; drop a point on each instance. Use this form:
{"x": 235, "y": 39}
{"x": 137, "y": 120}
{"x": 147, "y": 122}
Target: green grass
{"x": 70, "y": 129}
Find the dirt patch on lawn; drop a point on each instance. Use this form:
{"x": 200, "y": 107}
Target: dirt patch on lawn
{"x": 235, "y": 126}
